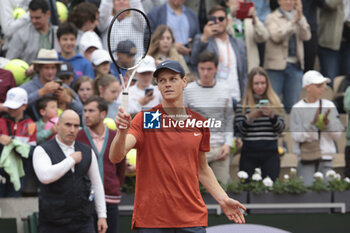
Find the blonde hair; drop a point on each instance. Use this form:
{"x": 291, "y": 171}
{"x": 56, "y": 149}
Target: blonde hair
{"x": 249, "y": 100}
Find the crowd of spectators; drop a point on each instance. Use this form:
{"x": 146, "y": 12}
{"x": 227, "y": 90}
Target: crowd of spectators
{"x": 246, "y": 67}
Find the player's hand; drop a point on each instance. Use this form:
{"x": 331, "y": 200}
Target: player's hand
{"x": 54, "y": 129}
{"x": 123, "y": 119}
{"x": 232, "y": 210}
{"x": 102, "y": 225}
{"x": 30, "y": 71}
{"x": 62, "y": 95}
{"x": 5, "y": 139}
{"x": 77, "y": 157}
{"x": 225, "y": 151}
{"x": 254, "y": 114}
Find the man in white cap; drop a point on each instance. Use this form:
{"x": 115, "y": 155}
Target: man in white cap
{"x": 15, "y": 125}
{"x": 44, "y": 83}
{"x": 314, "y": 123}
{"x": 143, "y": 95}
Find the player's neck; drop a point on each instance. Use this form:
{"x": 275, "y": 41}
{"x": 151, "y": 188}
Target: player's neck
{"x": 310, "y": 98}
{"x": 45, "y": 29}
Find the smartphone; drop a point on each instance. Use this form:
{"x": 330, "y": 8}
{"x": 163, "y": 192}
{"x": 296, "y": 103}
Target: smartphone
{"x": 149, "y": 91}
{"x": 243, "y": 10}
{"x": 59, "y": 82}
{"x": 212, "y": 18}
{"x": 263, "y": 102}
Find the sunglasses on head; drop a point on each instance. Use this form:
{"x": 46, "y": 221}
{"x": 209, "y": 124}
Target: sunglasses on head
{"x": 216, "y": 19}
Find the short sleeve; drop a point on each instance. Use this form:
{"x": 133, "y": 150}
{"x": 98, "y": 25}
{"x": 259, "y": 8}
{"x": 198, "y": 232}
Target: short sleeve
{"x": 136, "y": 129}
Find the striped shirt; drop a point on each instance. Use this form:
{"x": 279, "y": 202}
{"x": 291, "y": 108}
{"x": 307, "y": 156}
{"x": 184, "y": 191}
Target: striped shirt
{"x": 263, "y": 128}
{"x": 212, "y": 102}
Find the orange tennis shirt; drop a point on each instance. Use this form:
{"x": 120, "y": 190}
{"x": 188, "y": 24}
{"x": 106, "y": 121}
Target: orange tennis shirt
{"x": 167, "y": 182}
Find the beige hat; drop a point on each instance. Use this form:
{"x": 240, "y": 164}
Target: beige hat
{"x": 46, "y": 56}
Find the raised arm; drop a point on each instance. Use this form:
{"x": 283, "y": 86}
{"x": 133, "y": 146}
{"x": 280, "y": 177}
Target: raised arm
{"x": 122, "y": 141}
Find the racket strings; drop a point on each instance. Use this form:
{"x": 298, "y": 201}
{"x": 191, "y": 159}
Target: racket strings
{"x": 129, "y": 38}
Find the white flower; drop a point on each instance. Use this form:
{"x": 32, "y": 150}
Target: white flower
{"x": 257, "y": 171}
{"x": 330, "y": 174}
{"x": 337, "y": 176}
{"x": 347, "y": 179}
{"x": 242, "y": 175}
{"x": 318, "y": 175}
{"x": 256, "y": 177}
{"x": 268, "y": 182}
{"x": 293, "y": 170}
{"x": 286, "y": 176}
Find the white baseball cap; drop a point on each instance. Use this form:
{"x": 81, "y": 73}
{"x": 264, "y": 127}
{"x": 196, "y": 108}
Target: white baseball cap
{"x": 15, "y": 98}
{"x": 147, "y": 65}
{"x": 89, "y": 39}
{"x": 99, "y": 56}
{"x": 314, "y": 77}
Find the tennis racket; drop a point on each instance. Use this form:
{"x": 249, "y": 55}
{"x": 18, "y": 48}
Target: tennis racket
{"x": 130, "y": 27}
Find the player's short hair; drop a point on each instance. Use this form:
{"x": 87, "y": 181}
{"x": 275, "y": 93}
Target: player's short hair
{"x": 35, "y": 5}
{"x": 102, "y": 104}
{"x": 207, "y": 56}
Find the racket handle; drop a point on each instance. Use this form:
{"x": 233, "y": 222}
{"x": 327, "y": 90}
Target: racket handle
{"x": 125, "y": 99}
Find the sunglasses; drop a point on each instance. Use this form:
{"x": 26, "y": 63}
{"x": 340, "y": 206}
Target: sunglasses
{"x": 216, "y": 19}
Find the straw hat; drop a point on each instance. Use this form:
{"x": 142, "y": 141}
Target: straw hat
{"x": 46, "y": 56}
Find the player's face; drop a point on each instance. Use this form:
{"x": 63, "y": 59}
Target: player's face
{"x": 111, "y": 92}
{"x": 85, "y": 91}
{"x": 67, "y": 43}
{"x": 48, "y": 72}
{"x": 68, "y": 127}
{"x": 39, "y": 19}
{"x": 207, "y": 71}
{"x": 259, "y": 84}
{"x": 165, "y": 43}
{"x": 92, "y": 115}
{"x": 171, "y": 85}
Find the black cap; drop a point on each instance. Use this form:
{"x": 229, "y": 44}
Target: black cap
{"x": 171, "y": 65}
{"x": 126, "y": 47}
{"x": 66, "y": 69}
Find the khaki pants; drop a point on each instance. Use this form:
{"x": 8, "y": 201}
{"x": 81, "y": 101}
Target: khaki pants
{"x": 221, "y": 168}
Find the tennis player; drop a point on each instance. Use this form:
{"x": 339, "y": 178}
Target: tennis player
{"x": 171, "y": 160}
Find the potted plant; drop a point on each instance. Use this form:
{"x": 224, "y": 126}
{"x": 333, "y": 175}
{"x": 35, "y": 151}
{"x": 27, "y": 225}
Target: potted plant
{"x": 238, "y": 190}
{"x": 340, "y": 188}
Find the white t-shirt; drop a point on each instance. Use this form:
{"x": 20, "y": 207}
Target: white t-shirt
{"x": 227, "y": 58}
{"x": 136, "y": 93}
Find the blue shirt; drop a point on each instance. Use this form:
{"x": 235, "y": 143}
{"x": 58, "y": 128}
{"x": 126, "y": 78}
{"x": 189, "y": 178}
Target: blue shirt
{"x": 178, "y": 24}
{"x": 262, "y": 8}
{"x": 81, "y": 66}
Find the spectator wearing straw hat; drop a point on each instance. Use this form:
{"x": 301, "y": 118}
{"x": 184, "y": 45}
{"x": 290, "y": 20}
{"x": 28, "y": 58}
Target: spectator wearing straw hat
{"x": 44, "y": 83}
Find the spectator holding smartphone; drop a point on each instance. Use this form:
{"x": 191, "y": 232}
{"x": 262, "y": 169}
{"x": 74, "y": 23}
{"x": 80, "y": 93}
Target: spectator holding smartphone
{"x": 259, "y": 122}
{"x": 284, "y": 54}
{"x": 232, "y": 68}
{"x": 44, "y": 83}
{"x": 143, "y": 95}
